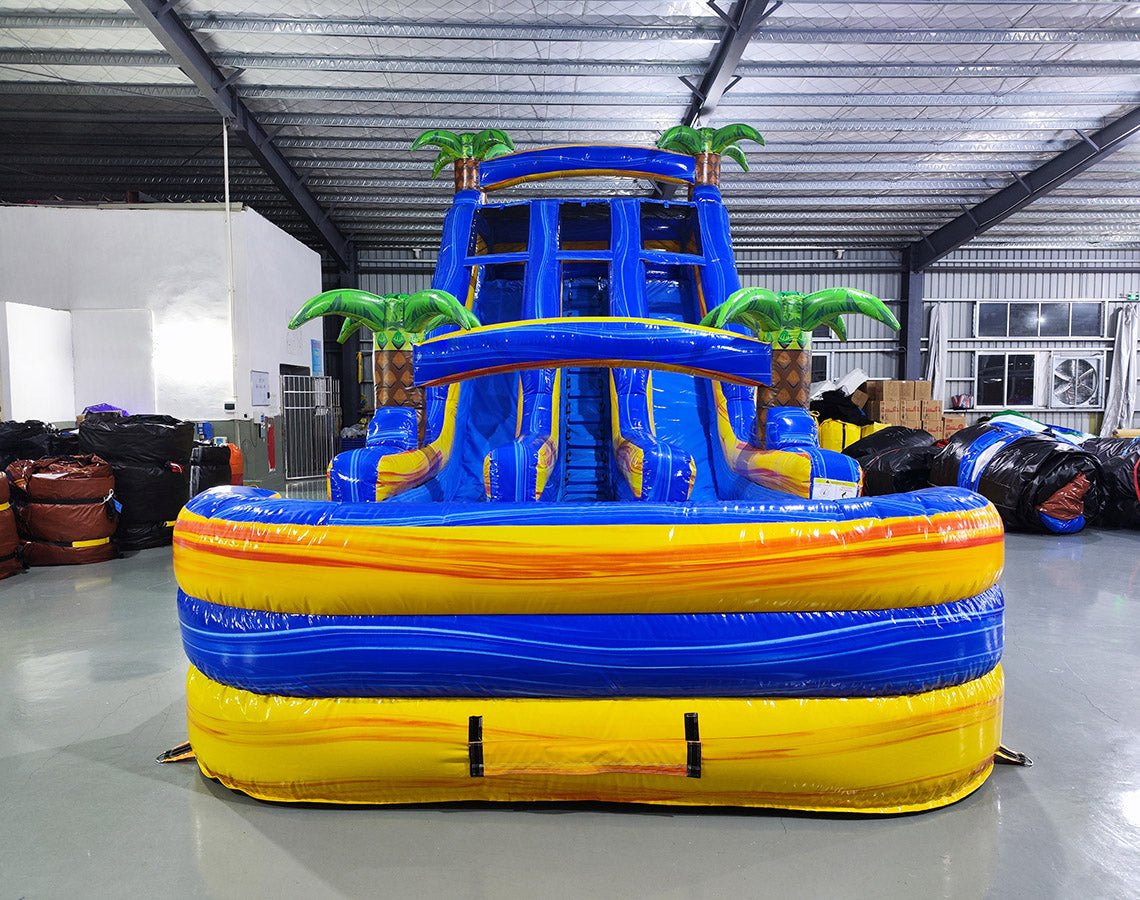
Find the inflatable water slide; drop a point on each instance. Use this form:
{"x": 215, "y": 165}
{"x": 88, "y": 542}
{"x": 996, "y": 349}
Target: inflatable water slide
{"x": 592, "y": 549}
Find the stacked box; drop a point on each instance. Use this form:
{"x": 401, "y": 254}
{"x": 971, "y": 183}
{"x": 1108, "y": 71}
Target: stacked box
{"x": 932, "y": 417}
{"x": 912, "y": 413}
{"x": 952, "y": 425}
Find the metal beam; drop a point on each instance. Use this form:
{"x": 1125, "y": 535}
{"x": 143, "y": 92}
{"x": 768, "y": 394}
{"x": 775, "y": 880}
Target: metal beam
{"x": 195, "y": 62}
{"x": 480, "y": 66}
{"x": 746, "y": 17}
{"x": 792, "y": 31}
{"x": 1046, "y": 178}
{"x": 584, "y": 97}
{"x": 911, "y": 294}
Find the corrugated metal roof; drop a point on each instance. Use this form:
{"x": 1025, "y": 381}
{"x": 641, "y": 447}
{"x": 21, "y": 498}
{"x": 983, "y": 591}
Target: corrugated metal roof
{"x": 883, "y": 120}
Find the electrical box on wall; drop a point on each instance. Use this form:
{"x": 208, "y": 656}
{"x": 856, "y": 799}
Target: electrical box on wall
{"x": 259, "y": 388}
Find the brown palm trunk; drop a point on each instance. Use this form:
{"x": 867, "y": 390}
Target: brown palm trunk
{"x": 395, "y": 383}
{"x": 791, "y": 386}
{"x": 707, "y": 169}
{"x": 466, "y": 175}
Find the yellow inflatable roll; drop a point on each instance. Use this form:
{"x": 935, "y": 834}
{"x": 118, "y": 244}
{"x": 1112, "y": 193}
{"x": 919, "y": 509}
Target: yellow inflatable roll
{"x": 870, "y": 755}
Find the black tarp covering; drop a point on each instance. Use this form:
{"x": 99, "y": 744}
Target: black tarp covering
{"x": 151, "y": 493}
{"x": 837, "y": 405}
{"x": 144, "y": 537}
{"x": 151, "y": 459}
{"x": 24, "y": 440}
{"x": 1120, "y": 464}
{"x": 137, "y": 440}
{"x": 1038, "y": 483}
{"x": 894, "y": 460}
{"x": 209, "y": 467}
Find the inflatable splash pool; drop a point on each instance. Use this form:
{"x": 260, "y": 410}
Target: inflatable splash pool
{"x": 592, "y": 549}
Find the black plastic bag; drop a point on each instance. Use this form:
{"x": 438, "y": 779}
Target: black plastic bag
{"x": 137, "y": 440}
{"x": 151, "y": 493}
{"x": 894, "y": 460}
{"x": 1038, "y": 483}
{"x": 24, "y": 440}
{"x": 209, "y": 467}
{"x": 1120, "y": 465}
{"x": 837, "y": 405}
{"x": 145, "y": 536}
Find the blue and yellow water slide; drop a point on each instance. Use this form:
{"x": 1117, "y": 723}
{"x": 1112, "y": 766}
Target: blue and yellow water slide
{"x": 591, "y": 578}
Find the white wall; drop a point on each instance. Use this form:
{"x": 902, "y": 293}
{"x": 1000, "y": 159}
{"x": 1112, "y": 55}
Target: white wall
{"x": 276, "y": 275}
{"x": 168, "y": 260}
{"x": 38, "y": 342}
{"x": 111, "y": 365}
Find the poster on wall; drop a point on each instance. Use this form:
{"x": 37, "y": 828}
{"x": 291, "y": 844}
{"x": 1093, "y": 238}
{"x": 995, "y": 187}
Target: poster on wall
{"x": 258, "y": 388}
{"x": 318, "y": 353}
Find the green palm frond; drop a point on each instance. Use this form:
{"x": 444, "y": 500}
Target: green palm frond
{"x": 368, "y": 309}
{"x": 735, "y": 153}
{"x": 733, "y": 134}
{"x": 821, "y": 306}
{"x": 758, "y": 309}
{"x": 680, "y": 139}
{"x": 350, "y": 327}
{"x": 837, "y": 326}
{"x": 440, "y": 162}
{"x": 438, "y": 307}
{"x": 492, "y": 142}
{"x": 446, "y": 141}
{"x": 496, "y": 150}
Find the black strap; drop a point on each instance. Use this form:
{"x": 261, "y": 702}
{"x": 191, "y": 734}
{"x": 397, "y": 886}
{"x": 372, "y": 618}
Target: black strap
{"x": 475, "y": 745}
{"x": 693, "y": 739}
{"x": 26, "y": 499}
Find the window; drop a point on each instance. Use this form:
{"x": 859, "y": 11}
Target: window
{"x": 819, "y": 367}
{"x": 1044, "y": 319}
{"x": 500, "y": 229}
{"x": 1006, "y": 380}
{"x": 670, "y": 226}
{"x": 584, "y": 226}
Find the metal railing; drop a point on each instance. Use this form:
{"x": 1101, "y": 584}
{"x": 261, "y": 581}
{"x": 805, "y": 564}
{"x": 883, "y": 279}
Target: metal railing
{"x": 310, "y": 409}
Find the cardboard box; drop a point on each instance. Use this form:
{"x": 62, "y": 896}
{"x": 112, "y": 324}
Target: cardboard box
{"x": 921, "y": 390}
{"x": 911, "y": 420}
{"x": 932, "y": 408}
{"x": 936, "y": 427}
{"x": 859, "y": 398}
{"x": 873, "y": 389}
{"x": 912, "y": 408}
{"x": 881, "y": 411}
{"x": 953, "y": 424}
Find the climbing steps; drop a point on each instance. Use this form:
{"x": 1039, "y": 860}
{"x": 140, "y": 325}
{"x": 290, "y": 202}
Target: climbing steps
{"x": 586, "y": 460}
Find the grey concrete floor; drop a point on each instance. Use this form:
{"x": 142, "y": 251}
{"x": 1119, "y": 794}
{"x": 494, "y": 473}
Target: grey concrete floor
{"x": 91, "y": 690}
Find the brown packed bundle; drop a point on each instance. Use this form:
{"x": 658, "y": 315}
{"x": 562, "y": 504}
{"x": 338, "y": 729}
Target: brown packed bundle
{"x": 9, "y": 540}
{"x": 65, "y": 509}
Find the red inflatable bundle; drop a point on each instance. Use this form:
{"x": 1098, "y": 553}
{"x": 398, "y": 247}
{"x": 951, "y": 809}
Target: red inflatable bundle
{"x": 65, "y": 509}
{"x": 9, "y": 540}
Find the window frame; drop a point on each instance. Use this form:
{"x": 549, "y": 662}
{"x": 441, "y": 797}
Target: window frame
{"x": 826, "y": 357}
{"x": 1038, "y": 337}
{"x": 1041, "y": 373}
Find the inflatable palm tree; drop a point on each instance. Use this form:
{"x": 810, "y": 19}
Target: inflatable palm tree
{"x": 786, "y": 320}
{"x": 396, "y": 322}
{"x": 708, "y": 145}
{"x": 465, "y": 151}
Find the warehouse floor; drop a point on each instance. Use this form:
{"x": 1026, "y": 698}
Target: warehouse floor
{"x": 91, "y": 690}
